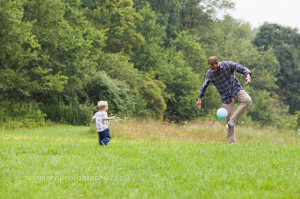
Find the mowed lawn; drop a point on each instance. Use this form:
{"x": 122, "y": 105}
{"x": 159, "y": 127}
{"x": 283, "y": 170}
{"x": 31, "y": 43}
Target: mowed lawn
{"x": 67, "y": 162}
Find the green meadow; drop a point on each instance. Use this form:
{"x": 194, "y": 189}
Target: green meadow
{"x": 66, "y": 162}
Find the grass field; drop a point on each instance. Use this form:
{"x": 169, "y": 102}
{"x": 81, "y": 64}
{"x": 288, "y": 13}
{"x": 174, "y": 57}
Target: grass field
{"x": 67, "y": 162}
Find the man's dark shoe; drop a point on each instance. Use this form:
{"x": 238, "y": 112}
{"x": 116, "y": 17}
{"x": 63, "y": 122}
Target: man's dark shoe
{"x": 229, "y": 126}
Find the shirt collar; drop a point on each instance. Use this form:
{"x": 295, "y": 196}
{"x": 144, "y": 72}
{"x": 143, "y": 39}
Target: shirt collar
{"x": 221, "y": 65}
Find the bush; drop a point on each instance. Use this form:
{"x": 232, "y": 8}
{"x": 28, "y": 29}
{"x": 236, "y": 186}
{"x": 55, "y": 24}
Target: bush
{"x": 72, "y": 114}
{"x": 19, "y": 115}
{"x": 182, "y": 86}
{"x": 267, "y": 110}
{"x": 150, "y": 101}
{"x": 99, "y": 86}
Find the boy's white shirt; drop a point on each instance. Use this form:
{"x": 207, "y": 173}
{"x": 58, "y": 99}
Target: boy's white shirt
{"x": 101, "y": 124}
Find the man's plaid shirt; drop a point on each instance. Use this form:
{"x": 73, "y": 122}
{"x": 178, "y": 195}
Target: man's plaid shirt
{"x": 225, "y": 80}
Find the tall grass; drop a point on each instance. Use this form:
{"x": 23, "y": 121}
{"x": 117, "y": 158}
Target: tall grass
{"x": 199, "y": 131}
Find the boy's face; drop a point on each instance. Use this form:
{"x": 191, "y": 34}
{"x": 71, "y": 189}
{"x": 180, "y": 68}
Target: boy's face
{"x": 106, "y": 108}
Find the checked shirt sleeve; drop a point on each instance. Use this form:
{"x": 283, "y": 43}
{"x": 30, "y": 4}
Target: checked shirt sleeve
{"x": 240, "y": 68}
{"x": 204, "y": 88}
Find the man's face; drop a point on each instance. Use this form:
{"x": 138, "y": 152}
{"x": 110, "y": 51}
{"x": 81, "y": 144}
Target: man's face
{"x": 215, "y": 67}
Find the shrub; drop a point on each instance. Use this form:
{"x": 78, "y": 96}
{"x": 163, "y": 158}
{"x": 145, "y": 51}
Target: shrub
{"x": 99, "y": 86}
{"x": 71, "y": 114}
{"x": 19, "y": 115}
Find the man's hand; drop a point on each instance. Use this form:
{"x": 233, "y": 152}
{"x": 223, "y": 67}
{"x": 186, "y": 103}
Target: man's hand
{"x": 248, "y": 79}
{"x": 199, "y": 103}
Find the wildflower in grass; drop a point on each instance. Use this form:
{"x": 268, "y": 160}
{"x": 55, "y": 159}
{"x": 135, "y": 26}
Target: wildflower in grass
{"x": 60, "y": 140}
{"x": 17, "y": 137}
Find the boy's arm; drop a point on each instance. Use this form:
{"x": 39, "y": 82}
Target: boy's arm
{"x": 110, "y": 118}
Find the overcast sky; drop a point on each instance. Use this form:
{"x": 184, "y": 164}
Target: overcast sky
{"x": 256, "y": 12}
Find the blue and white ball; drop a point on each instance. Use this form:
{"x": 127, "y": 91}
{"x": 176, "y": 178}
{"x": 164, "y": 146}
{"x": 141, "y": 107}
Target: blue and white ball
{"x": 222, "y": 113}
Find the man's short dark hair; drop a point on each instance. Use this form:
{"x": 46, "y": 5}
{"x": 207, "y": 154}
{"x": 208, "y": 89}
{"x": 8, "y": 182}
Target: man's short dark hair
{"x": 212, "y": 60}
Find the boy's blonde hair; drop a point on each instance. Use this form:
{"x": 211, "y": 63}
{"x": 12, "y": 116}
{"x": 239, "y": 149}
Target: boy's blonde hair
{"x": 102, "y": 105}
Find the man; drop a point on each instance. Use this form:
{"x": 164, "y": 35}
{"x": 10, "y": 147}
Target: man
{"x": 221, "y": 74}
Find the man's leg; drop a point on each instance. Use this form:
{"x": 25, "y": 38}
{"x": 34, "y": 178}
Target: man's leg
{"x": 233, "y": 117}
{"x": 245, "y": 100}
{"x": 230, "y": 110}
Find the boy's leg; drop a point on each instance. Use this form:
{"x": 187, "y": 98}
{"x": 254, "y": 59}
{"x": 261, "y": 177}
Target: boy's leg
{"x": 243, "y": 97}
{"x": 106, "y": 136}
{"x": 100, "y": 137}
{"x": 230, "y": 110}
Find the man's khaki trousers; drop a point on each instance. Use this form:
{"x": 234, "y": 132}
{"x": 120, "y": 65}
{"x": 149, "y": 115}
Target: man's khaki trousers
{"x": 233, "y": 117}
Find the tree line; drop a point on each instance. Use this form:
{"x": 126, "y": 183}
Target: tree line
{"x": 147, "y": 58}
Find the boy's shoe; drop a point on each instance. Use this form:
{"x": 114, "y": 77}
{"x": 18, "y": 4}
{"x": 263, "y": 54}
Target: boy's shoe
{"x": 229, "y": 126}
{"x": 102, "y": 143}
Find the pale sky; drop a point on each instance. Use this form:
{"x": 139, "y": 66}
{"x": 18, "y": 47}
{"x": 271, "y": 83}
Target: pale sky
{"x": 256, "y": 12}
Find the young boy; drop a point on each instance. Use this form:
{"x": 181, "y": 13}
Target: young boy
{"x": 102, "y": 123}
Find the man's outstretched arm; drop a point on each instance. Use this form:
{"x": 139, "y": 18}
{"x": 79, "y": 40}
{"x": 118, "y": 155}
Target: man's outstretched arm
{"x": 202, "y": 91}
{"x": 243, "y": 70}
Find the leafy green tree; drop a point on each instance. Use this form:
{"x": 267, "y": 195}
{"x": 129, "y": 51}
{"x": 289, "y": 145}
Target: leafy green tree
{"x": 168, "y": 12}
{"x": 227, "y": 37}
{"x": 192, "y": 51}
{"x": 268, "y": 110}
{"x": 262, "y": 109}
{"x": 66, "y": 41}
{"x": 182, "y": 86}
{"x": 198, "y": 13}
{"x": 286, "y": 44}
{"x": 19, "y": 53}
{"x": 178, "y": 15}
{"x": 151, "y": 53}
{"x": 264, "y": 67}
{"x": 118, "y": 19}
